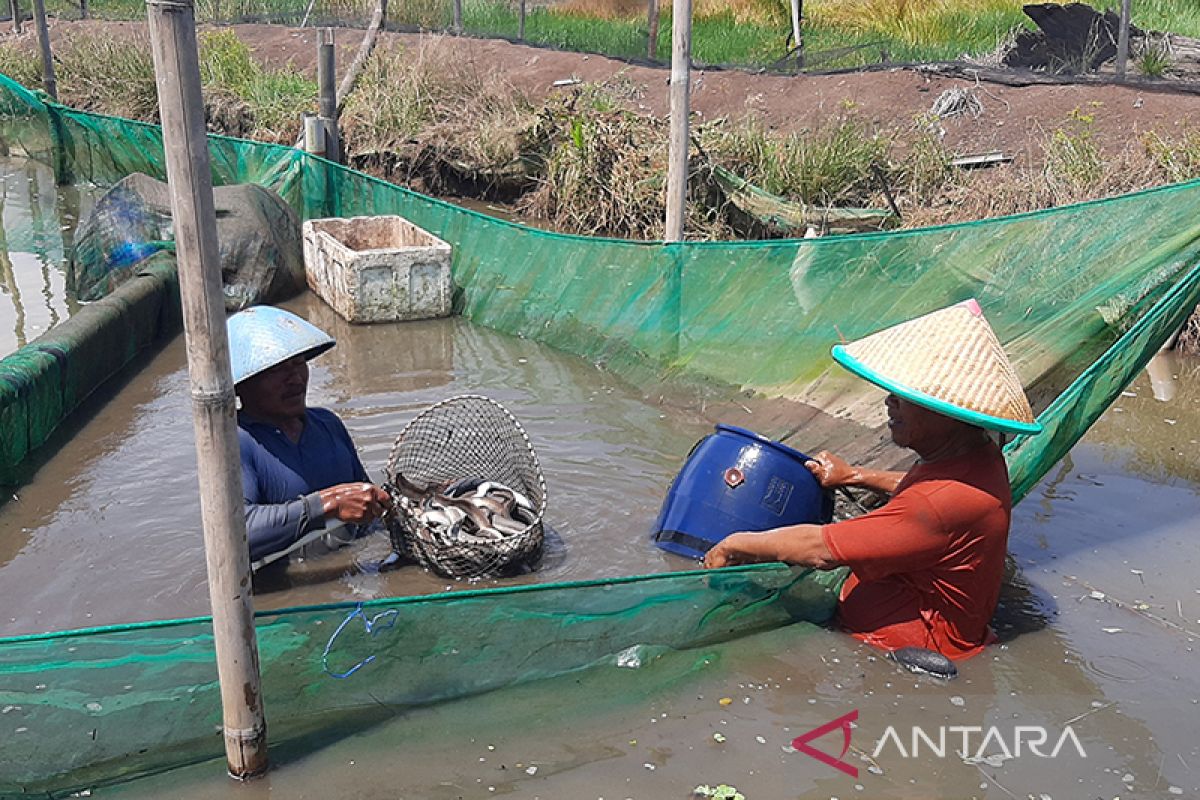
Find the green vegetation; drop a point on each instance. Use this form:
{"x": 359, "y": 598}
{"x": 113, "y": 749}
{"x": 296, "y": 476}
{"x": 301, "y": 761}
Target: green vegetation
{"x": 838, "y": 33}
{"x": 273, "y": 97}
{"x": 1155, "y": 57}
{"x": 115, "y": 75}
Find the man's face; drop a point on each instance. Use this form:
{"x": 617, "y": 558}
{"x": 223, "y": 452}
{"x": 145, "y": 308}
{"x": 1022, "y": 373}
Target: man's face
{"x": 278, "y": 392}
{"x": 916, "y": 427}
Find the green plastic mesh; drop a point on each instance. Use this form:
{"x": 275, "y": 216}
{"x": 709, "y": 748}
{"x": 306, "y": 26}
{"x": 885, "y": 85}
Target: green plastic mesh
{"x": 86, "y": 708}
{"x": 1080, "y": 296}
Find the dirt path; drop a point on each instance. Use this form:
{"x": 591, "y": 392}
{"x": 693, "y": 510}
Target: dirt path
{"x": 1012, "y": 117}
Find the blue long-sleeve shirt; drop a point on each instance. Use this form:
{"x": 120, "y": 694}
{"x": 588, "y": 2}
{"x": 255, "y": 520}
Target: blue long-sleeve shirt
{"x": 281, "y": 479}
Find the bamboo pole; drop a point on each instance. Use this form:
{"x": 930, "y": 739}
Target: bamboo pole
{"x": 458, "y": 25}
{"x": 177, "y": 73}
{"x": 677, "y": 177}
{"x": 43, "y": 34}
{"x": 521, "y": 21}
{"x": 327, "y": 97}
{"x": 1123, "y": 39}
{"x": 15, "y": 8}
{"x": 378, "y": 23}
{"x": 652, "y": 29}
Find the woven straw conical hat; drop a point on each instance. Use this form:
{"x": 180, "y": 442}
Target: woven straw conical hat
{"x": 949, "y": 361}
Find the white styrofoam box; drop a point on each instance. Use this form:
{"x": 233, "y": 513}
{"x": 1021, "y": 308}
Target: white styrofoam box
{"x": 377, "y": 269}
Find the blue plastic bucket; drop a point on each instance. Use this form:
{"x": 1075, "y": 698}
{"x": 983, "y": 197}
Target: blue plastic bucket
{"x": 737, "y": 480}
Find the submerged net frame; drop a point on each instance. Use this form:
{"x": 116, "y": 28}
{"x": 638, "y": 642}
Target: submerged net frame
{"x": 1081, "y": 297}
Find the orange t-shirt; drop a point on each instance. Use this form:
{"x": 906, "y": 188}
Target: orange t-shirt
{"x": 926, "y": 568}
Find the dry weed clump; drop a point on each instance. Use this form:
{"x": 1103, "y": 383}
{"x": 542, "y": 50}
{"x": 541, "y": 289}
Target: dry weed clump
{"x": 108, "y": 75}
{"x": 604, "y": 171}
{"x": 1071, "y": 169}
{"x": 415, "y": 114}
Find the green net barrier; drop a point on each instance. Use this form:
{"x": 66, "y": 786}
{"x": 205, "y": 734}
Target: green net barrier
{"x": 1081, "y": 297}
{"x": 86, "y": 708}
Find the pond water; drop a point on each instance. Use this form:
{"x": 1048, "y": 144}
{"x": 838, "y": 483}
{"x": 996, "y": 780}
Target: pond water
{"x": 34, "y": 214}
{"x": 107, "y": 531}
{"x": 1099, "y": 624}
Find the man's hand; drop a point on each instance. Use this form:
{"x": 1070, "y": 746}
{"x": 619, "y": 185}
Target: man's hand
{"x": 832, "y": 471}
{"x": 357, "y": 503}
{"x": 728, "y": 553}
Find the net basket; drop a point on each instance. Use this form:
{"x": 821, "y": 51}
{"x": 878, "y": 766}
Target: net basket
{"x": 465, "y": 440}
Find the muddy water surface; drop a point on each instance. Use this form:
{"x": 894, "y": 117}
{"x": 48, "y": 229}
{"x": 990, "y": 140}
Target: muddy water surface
{"x": 108, "y": 532}
{"x": 1099, "y": 627}
{"x": 34, "y": 213}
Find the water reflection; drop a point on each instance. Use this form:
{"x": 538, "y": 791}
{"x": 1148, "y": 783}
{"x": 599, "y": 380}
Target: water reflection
{"x": 37, "y": 221}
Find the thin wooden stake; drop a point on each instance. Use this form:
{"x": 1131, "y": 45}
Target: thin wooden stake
{"x": 177, "y": 73}
{"x": 521, "y": 21}
{"x": 458, "y": 25}
{"x": 1123, "y": 39}
{"x": 15, "y": 8}
{"x": 652, "y": 29}
{"x": 43, "y": 34}
{"x": 677, "y": 169}
{"x": 378, "y": 23}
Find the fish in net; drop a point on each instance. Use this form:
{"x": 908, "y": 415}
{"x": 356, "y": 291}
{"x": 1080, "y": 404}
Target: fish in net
{"x": 468, "y": 491}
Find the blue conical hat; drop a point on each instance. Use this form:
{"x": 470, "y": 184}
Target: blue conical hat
{"x": 262, "y": 336}
{"x": 948, "y": 361}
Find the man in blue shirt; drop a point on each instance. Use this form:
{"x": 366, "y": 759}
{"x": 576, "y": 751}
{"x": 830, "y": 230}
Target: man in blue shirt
{"x": 299, "y": 467}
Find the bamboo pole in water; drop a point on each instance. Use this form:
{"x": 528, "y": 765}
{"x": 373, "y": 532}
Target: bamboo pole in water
{"x": 43, "y": 33}
{"x": 677, "y": 178}
{"x": 177, "y": 73}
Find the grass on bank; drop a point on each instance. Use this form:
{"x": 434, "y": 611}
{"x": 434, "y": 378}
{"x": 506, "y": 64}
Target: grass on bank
{"x": 116, "y": 76}
{"x": 837, "y": 33}
{"x": 593, "y": 165}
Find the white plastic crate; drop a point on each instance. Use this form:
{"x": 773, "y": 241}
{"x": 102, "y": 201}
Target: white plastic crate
{"x": 377, "y": 269}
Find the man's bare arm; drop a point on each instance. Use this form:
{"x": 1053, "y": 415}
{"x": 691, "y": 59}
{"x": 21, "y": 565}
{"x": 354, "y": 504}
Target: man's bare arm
{"x": 803, "y": 545}
{"x": 833, "y": 472}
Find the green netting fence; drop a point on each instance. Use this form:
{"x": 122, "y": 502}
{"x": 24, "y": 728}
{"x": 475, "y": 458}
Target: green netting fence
{"x": 1080, "y": 296}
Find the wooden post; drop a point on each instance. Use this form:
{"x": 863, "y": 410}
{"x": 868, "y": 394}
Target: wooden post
{"x": 458, "y": 25}
{"x": 677, "y": 169}
{"x": 327, "y": 98}
{"x": 15, "y": 7}
{"x": 177, "y": 73}
{"x": 43, "y": 34}
{"x": 83, "y": 9}
{"x": 521, "y": 21}
{"x": 652, "y": 29}
{"x": 1123, "y": 39}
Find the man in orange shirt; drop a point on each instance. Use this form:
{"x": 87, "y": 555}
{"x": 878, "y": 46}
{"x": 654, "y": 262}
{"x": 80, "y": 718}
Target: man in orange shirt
{"x": 925, "y": 569}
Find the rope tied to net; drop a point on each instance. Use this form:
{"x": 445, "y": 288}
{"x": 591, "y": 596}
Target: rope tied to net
{"x": 383, "y": 621}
